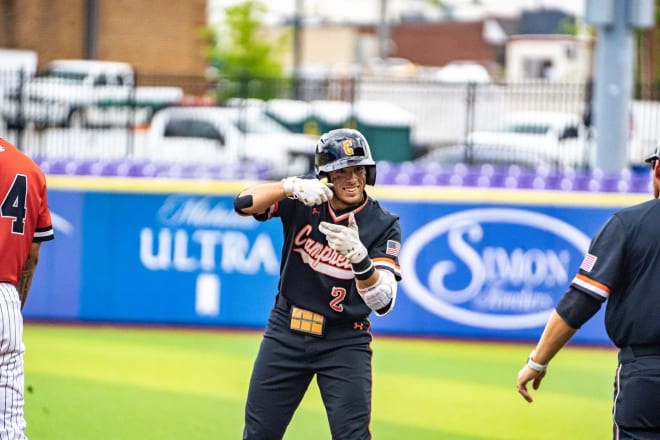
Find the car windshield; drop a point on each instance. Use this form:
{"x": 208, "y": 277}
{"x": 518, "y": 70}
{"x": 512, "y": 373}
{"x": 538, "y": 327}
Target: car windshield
{"x": 524, "y": 128}
{"x": 65, "y": 75}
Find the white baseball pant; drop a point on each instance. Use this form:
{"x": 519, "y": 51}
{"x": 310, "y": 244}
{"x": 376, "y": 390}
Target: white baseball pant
{"x": 12, "y": 419}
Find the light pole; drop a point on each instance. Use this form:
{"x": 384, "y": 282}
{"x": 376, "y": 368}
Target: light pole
{"x": 297, "y": 47}
{"x": 383, "y": 32}
{"x": 613, "y": 75}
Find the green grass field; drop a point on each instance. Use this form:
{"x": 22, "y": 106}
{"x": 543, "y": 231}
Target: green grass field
{"x": 97, "y": 383}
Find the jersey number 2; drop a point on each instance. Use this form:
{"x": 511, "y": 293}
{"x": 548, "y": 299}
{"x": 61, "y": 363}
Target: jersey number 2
{"x": 338, "y": 293}
{"x": 13, "y": 205}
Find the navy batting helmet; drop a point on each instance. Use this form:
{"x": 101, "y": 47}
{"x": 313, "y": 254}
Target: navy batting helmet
{"x": 343, "y": 148}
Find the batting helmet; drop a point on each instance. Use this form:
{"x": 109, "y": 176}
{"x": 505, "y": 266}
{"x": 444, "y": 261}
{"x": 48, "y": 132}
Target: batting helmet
{"x": 343, "y": 148}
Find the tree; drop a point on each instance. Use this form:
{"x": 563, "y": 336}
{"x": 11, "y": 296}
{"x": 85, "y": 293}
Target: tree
{"x": 247, "y": 60}
{"x": 648, "y": 63}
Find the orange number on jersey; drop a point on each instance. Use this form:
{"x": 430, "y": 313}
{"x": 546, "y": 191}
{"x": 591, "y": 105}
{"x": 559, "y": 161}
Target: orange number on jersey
{"x": 338, "y": 293}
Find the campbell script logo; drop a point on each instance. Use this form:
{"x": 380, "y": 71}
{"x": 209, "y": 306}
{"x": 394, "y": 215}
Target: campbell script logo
{"x": 492, "y": 268}
{"x": 321, "y": 257}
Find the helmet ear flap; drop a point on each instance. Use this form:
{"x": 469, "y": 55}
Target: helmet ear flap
{"x": 371, "y": 175}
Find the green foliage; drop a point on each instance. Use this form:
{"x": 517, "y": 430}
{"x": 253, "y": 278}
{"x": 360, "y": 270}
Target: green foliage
{"x": 568, "y": 26}
{"x": 247, "y": 60}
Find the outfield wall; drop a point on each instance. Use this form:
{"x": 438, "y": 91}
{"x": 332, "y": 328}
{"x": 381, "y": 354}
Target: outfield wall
{"x": 475, "y": 262}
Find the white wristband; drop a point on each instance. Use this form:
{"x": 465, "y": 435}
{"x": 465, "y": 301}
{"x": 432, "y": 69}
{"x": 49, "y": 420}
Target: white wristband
{"x": 535, "y": 365}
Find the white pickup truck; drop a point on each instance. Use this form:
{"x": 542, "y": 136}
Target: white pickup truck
{"x": 85, "y": 93}
{"x": 227, "y": 135}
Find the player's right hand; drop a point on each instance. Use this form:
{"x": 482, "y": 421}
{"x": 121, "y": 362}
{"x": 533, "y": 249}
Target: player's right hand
{"x": 345, "y": 239}
{"x": 311, "y": 192}
{"x": 526, "y": 375}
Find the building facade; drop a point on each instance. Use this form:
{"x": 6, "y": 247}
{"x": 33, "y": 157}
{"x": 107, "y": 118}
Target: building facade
{"x": 156, "y": 37}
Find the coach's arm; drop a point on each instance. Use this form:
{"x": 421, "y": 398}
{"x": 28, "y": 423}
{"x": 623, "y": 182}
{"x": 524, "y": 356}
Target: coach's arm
{"x": 555, "y": 335}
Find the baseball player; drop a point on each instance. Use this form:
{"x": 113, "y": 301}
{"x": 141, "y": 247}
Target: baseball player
{"x": 622, "y": 267}
{"x": 24, "y": 223}
{"x": 339, "y": 263}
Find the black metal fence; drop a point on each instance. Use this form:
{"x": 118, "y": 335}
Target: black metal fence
{"x": 404, "y": 119}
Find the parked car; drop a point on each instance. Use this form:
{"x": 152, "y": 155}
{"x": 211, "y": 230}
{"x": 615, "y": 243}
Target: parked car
{"x": 530, "y": 139}
{"x": 461, "y": 72}
{"x": 228, "y": 135}
{"x": 85, "y": 93}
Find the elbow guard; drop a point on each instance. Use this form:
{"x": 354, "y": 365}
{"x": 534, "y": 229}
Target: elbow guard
{"x": 381, "y": 296}
{"x": 242, "y": 202}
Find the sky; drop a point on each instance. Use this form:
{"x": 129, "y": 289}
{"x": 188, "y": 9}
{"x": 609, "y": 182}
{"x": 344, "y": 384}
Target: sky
{"x": 369, "y": 10}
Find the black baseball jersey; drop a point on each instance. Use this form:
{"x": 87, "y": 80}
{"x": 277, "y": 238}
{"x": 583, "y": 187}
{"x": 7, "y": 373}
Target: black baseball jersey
{"x": 622, "y": 266}
{"x": 313, "y": 275}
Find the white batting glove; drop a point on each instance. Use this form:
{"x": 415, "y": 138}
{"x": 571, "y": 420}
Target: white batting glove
{"x": 311, "y": 192}
{"x": 345, "y": 240}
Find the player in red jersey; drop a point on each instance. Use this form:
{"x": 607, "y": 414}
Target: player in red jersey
{"x": 24, "y": 223}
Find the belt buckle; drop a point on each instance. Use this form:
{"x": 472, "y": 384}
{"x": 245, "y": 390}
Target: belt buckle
{"x": 306, "y": 321}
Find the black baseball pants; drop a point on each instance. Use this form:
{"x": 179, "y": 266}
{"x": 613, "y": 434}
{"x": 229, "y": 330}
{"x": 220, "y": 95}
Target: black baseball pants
{"x": 285, "y": 366}
{"x": 637, "y": 394}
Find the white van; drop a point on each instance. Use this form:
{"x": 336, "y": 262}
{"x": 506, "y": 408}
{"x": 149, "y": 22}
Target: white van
{"x": 87, "y": 93}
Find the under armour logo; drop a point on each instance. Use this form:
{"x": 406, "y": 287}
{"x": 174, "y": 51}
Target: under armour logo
{"x": 358, "y": 326}
{"x": 316, "y": 211}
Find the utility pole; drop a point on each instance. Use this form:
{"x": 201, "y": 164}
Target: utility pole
{"x": 91, "y": 27}
{"x": 297, "y": 47}
{"x": 383, "y": 32}
{"x": 613, "y": 75}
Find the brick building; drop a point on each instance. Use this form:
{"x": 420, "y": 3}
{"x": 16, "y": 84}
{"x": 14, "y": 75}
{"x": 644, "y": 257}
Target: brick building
{"x": 156, "y": 37}
{"x": 436, "y": 44}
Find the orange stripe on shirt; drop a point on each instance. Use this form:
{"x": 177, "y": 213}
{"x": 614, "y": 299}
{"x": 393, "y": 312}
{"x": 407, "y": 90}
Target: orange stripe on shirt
{"x": 593, "y": 283}
{"x": 386, "y": 260}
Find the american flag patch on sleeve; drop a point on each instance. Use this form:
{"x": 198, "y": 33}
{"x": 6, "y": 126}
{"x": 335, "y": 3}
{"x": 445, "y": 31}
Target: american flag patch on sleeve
{"x": 393, "y": 248}
{"x": 588, "y": 262}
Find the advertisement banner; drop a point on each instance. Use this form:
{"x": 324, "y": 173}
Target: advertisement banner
{"x": 474, "y": 263}
{"x": 494, "y": 271}
{"x": 180, "y": 258}
{"x": 55, "y": 287}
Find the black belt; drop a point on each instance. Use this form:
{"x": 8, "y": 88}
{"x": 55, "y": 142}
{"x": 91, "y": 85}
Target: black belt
{"x": 358, "y": 324}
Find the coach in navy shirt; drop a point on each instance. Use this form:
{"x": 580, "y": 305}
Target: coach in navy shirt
{"x": 621, "y": 267}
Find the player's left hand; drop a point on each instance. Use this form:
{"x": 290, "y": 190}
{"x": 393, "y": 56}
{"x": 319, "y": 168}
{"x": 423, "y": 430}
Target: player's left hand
{"x": 345, "y": 239}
